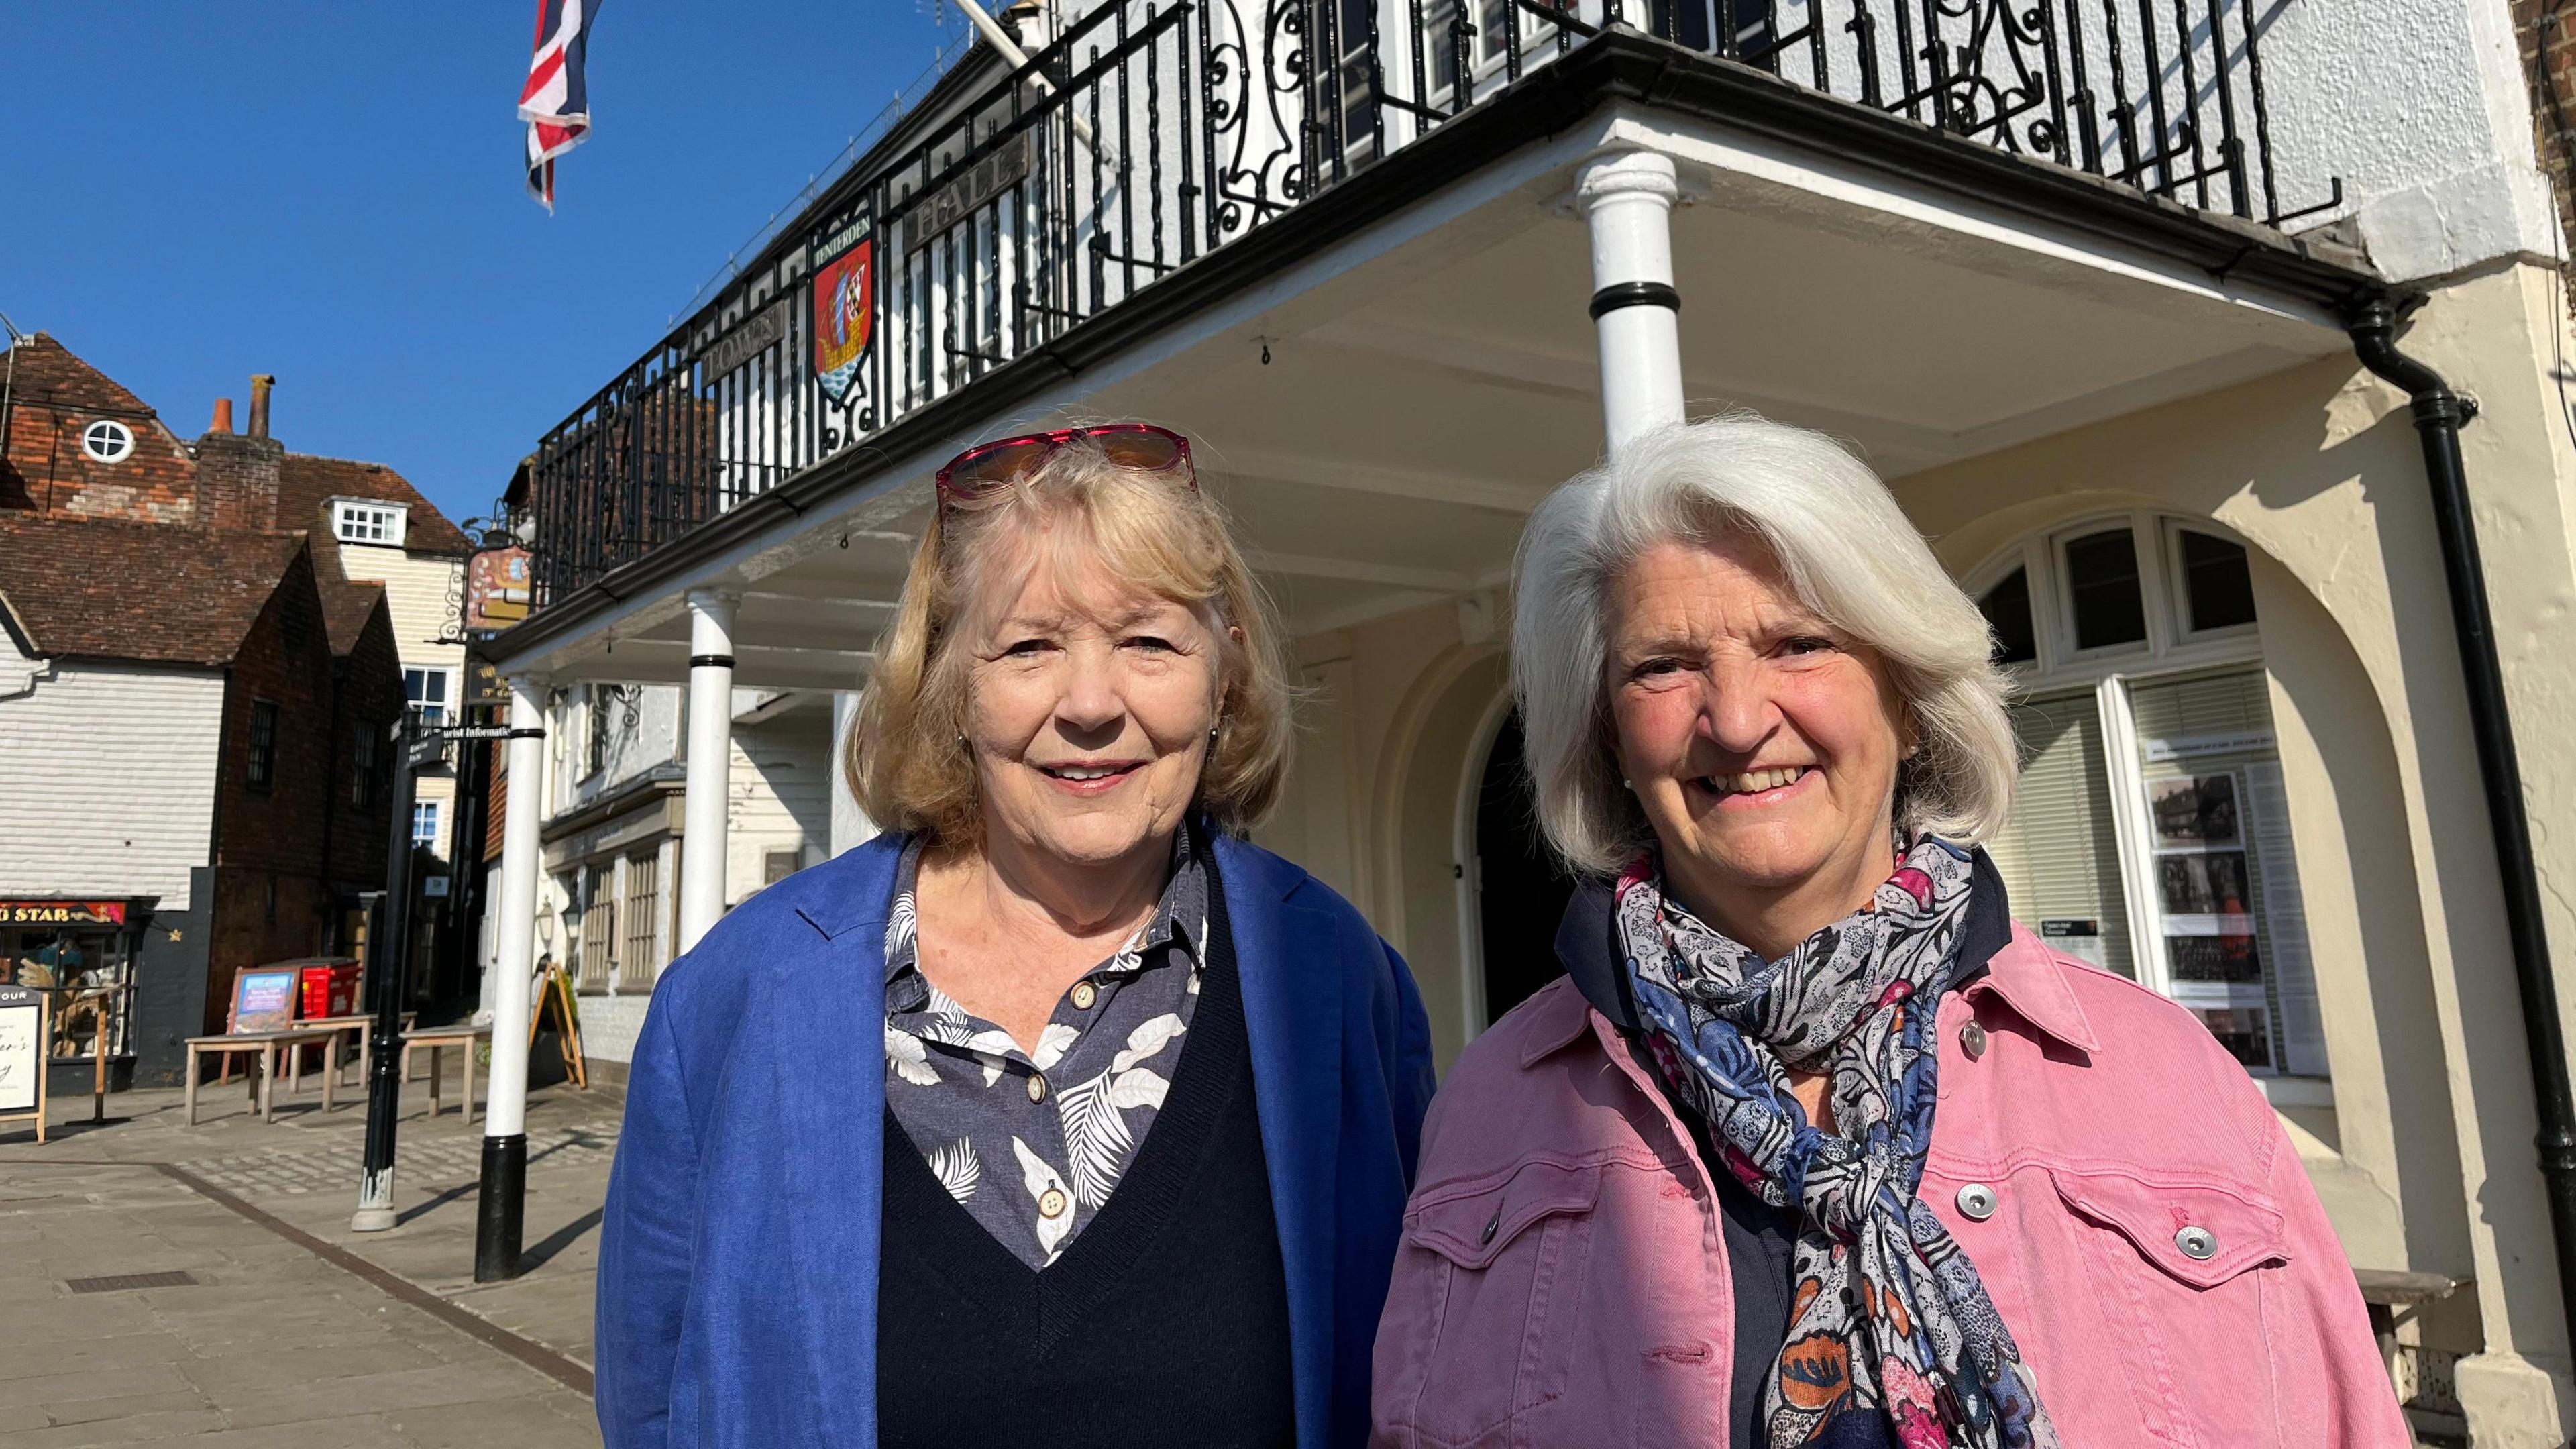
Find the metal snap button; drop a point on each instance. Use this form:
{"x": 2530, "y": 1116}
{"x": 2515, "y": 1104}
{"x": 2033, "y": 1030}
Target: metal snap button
{"x": 2197, "y": 1243}
{"x": 1977, "y": 1202}
{"x": 1972, "y": 1040}
{"x": 1492, "y": 1225}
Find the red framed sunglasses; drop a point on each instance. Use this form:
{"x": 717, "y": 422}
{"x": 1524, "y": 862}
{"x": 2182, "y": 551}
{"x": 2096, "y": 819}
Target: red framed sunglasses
{"x": 987, "y": 468}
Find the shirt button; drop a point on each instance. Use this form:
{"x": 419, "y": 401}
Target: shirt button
{"x": 1083, "y": 995}
{"x": 1972, "y": 1040}
{"x": 1051, "y": 1204}
{"x": 1977, "y": 1202}
{"x": 1037, "y": 1087}
{"x": 2197, "y": 1243}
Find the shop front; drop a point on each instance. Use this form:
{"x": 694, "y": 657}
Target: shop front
{"x": 80, "y": 953}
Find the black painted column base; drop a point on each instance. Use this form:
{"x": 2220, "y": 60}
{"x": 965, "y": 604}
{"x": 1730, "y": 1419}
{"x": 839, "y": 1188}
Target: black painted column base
{"x": 501, "y": 1208}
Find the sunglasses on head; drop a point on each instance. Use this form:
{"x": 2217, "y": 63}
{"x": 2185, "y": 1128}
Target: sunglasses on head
{"x": 988, "y": 468}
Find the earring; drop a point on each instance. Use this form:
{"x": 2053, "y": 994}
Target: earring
{"x": 1912, "y": 750}
{"x": 1628, "y": 785}
{"x": 1212, "y": 729}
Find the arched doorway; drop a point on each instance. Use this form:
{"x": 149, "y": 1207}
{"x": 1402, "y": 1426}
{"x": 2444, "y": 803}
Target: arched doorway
{"x": 1520, "y": 889}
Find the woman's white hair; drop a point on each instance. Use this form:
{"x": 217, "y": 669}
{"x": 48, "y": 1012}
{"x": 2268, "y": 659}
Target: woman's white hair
{"x": 1849, "y": 554}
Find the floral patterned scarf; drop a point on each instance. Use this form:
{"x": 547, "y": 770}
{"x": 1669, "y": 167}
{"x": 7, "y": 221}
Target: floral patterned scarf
{"x": 1890, "y": 1319}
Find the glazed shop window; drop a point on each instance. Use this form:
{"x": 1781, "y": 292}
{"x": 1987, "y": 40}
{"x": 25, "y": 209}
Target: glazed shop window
{"x": 2150, "y": 835}
{"x": 260, "y": 767}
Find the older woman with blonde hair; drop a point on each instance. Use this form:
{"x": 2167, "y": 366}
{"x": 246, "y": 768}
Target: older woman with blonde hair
{"x": 1058, "y": 1113}
{"x": 1816, "y": 1145}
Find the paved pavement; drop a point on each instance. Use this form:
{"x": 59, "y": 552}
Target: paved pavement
{"x": 292, "y": 1331}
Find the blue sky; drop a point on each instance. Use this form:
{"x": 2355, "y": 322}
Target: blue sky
{"x": 332, "y": 193}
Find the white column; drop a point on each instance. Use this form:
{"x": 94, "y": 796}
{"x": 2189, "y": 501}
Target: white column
{"x": 1626, "y": 198}
{"x": 505, "y": 1109}
{"x": 710, "y": 764}
{"x": 850, "y": 825}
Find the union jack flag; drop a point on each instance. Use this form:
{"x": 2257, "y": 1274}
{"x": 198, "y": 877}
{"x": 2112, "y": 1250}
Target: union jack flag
{"x": 556, "y": 102}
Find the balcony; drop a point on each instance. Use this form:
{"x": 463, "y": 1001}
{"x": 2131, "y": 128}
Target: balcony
{"x": 1024, "y": 223}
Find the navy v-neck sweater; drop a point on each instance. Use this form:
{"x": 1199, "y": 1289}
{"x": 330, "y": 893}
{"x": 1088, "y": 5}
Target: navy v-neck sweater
{"x": 1163, "y": 1323}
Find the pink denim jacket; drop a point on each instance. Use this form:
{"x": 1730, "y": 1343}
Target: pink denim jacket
{"x": 1562, "y": 1279}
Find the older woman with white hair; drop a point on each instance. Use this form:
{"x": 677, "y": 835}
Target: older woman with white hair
{"x": 1058, "y": 1114}
{"x": 1815, "y": 1145}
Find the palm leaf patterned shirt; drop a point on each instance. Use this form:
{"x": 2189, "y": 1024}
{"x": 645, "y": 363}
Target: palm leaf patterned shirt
{"x": 1032, "y": 1144}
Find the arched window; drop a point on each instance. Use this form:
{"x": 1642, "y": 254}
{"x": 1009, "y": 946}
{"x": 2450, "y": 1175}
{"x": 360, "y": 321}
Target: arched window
{"x": 2151, "y": 832}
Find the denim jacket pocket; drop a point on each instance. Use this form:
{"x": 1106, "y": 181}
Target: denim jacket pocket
{"x": 1485, "y": 1301}
{"x": 2181, "y": 1264}
{"x": 2198, "y": 1232}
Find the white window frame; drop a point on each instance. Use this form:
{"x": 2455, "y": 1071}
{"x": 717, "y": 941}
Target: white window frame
{"x": 446, "y": 703}
{"x": 118, "y": 448}
{"x": 370, "y": 521}
{"x": 2178, "y": 583}
{"x": 437, "y": 822}
{"x": 2171, "y": 650}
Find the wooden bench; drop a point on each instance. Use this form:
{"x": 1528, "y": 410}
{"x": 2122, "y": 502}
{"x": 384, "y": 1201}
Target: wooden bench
{"x": 437, "y": 1039}
{"x": 360, "y": 1027}
{"x": 266, "y": 1046}
{"x": 2390, "y": 1292}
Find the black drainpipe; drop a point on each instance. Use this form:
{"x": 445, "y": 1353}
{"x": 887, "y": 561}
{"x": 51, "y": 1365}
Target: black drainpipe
{"x": 2439, "y": 414}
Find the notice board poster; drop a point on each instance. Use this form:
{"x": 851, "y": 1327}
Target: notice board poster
{"x": 22, "y": 1050}
{"x": 264, "y": 1000}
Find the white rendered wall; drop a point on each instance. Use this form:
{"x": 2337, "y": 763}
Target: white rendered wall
{"x": 107, "y": 777}
{"x": 2420, "y": 106}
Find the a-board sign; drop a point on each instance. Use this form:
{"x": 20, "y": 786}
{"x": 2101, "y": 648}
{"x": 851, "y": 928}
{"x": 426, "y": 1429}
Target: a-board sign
{"x": 264, "y": 1000}
{"x": 23, "y": 1020}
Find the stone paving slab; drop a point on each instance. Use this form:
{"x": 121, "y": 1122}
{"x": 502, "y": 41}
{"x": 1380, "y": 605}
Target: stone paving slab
{"x": 277, "y": 1345}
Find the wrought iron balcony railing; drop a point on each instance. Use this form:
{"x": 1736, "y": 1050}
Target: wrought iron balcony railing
{"x": 1150, "y": 133}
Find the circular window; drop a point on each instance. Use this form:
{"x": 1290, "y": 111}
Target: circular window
{"x": 108, "y": 442}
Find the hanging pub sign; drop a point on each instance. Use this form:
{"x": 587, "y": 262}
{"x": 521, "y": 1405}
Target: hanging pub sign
{"x": 845, "y": 292}
{"x": 496, "y": 588}
{"x": 62, "y": 913}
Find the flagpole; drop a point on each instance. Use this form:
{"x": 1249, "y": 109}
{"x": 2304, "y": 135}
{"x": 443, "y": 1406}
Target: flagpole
{"x": 1010, "y": 50}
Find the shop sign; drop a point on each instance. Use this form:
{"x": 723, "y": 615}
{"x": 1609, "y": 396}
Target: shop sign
{"x": 496, "y": 588}
{"x": 22, "y": 1051}
{"x": 263, "y": 1000}
{"x": 62, "y": 913}
{"x": 2242, "y": 742}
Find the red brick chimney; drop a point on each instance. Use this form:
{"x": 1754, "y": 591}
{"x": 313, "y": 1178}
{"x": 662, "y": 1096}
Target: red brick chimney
{"x": 237, "y": 472}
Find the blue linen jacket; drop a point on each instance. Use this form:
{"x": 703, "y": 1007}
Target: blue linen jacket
{"x": 738, "y": 1250}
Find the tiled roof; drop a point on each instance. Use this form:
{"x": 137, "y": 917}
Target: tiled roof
{"x": 47, "y": 371}
{"x": 151, "y": 592}
{"x": 345, "y": 603}
{"x": 305, "y": 482}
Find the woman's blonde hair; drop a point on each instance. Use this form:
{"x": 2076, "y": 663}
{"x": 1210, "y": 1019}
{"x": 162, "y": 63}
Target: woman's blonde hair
{"x": 1850, "y": 555}
{"x": 908, "y": 765}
